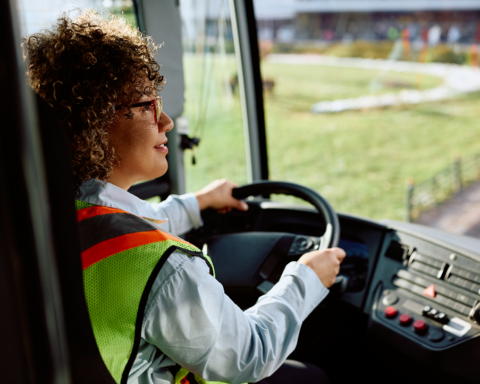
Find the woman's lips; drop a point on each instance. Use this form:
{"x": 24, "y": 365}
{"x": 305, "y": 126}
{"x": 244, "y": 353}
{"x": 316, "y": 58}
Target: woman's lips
{"x": 161, "y": 148}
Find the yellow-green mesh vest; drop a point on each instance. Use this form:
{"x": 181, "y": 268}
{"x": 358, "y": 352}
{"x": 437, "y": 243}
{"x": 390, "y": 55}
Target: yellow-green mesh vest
{"x": 121, "y": 256}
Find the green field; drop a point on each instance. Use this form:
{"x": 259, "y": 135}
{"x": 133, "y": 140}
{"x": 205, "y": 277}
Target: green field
{"x": 358, "y": 160}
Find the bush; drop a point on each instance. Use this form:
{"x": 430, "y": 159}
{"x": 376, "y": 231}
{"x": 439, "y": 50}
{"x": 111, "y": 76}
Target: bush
{"x": 361, "y": 48}
{"x": 296, "y": 47}
{"x": 449, "y": 56}
{"x": 368, "y": 50}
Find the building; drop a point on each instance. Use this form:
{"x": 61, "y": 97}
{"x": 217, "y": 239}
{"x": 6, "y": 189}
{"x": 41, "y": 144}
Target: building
{"x": 333, "y": 20}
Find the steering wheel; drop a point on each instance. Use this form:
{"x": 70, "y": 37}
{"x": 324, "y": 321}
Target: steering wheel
{"x": 246, "y": 260}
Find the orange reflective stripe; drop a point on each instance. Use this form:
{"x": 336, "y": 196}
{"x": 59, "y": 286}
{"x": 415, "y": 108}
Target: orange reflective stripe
{"x": 118, "y": 244}
{"x": 110, "y": 247}
{"x": 171, "y": 237}
{"x": 96, "y": 210}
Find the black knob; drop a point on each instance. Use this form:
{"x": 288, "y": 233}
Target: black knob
{"x": 441, "y": 318}
{"x": 426, "y": 309}
{"x": 475, "y": 313}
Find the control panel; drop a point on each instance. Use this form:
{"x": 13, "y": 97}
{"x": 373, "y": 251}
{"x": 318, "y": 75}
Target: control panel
{"x": 432, "y": 298}
{"x": 431, "y": 325}
{"x": 425, "y": 301}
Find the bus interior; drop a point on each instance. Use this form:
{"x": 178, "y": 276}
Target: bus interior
{"x": 406, "y": 305}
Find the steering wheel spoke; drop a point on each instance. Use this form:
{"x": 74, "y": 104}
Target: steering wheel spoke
{"x": 303, "y": 244}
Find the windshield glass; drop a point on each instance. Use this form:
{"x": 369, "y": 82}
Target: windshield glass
{"x": 374, "y": 104}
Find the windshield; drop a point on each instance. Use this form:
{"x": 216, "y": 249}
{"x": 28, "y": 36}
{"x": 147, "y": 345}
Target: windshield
{"x": 374, "y": 104}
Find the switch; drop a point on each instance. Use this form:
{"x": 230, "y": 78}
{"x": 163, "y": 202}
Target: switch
{"x": 426, "y": 309}
{"x": 390, "y": 312}
{"x": 405, "y": 320}
{"x": 420, "y": 327}
{"x": 432, "y": 313}
{"x": 475, "y": 314}
{"x": 442, "y": 318}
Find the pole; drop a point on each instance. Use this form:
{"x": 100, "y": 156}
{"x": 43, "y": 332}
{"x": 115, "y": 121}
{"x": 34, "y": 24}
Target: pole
{"x": 457, "y": 174}
{"x": 409, "y": 201}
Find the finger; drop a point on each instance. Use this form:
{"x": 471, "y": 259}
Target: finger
{"x": 239, "y": 204}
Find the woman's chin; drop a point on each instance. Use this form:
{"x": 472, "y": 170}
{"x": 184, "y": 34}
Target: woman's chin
{"x": 161, "y": 170}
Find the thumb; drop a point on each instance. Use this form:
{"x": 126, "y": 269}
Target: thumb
{"x": 339, "y": 253}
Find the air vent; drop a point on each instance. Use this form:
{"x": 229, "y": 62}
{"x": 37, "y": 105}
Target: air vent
{"x": 397, "y": 251}
{"x": 428, "y": 265}
{"x": 464, "y": 279}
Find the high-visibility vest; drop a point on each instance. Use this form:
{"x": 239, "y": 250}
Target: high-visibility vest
{"x": 122, "y": 255}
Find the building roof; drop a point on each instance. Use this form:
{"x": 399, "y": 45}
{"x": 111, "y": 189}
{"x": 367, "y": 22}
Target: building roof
{"x": 286, "y": 9}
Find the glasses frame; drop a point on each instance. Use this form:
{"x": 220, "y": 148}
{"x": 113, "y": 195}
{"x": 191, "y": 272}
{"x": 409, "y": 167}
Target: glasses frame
{"x": 144, "y": 104}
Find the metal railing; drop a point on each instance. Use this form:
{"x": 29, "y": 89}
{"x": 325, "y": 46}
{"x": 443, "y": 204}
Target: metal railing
{"x": 442, "y": 186}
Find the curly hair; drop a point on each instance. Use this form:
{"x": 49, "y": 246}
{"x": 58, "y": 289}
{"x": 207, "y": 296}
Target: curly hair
{"x": 84, "y": 68}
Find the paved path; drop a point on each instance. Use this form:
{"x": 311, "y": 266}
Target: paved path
{"x": 457, "y": 79}
{"x": 459, "y": 215}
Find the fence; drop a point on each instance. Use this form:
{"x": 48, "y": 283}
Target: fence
{"x": 442, "y": 186}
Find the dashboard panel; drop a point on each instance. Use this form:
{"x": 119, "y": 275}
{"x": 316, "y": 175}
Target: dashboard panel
{"x": 425, "y": 291}
{"x": 418, "y": 287}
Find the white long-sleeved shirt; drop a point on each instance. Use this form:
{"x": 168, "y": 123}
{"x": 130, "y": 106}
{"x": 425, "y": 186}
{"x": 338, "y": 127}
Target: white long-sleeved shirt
{"x": 188, "y": 318}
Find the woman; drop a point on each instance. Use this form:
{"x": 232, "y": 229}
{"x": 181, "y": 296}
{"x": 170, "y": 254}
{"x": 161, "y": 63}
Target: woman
{"x": 156, "y": 310}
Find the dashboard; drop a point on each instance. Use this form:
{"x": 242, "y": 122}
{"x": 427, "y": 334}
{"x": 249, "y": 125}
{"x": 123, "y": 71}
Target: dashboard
{"x": 425, "y": 296}
{"x": 418, "y": 287}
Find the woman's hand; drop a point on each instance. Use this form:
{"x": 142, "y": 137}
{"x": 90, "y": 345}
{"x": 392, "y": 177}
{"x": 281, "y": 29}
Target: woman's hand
{"x": 326, "y": 264}
{"x": 218, "y": 195}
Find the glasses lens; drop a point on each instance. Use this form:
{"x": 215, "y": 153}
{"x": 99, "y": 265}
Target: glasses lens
{"x": 158, "y": 107}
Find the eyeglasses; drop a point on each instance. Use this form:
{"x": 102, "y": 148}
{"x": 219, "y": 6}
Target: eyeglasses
{"x": 156, "y": 103}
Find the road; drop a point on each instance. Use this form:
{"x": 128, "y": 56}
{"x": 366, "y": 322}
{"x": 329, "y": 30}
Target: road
{"x": 459, "y": 215}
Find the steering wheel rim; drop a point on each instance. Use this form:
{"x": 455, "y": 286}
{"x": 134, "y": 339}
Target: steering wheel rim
{"x": 332, "y": 234}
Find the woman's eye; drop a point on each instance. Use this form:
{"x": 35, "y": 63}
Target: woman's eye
{"x": 146, "y": 108}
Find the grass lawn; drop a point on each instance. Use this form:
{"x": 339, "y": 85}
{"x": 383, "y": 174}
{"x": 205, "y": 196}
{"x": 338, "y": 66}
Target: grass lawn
{"x": 358, "y": 160}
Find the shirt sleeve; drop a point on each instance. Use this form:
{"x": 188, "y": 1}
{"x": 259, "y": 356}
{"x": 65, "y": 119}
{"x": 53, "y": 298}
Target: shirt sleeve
{"x": 182, "y": 213}
{"x": 190, "y": 319}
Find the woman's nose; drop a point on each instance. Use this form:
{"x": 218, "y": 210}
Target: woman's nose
{"x": 165, "y": 124}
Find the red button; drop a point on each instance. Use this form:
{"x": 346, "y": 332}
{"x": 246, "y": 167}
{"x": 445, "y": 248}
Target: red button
{"x": 390, "y": 312}
{"x": 420, "y": 326}
{"x": 405, "y": 320}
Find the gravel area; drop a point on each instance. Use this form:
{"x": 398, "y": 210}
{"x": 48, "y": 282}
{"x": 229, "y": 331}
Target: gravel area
{"x": 459, "y": 215}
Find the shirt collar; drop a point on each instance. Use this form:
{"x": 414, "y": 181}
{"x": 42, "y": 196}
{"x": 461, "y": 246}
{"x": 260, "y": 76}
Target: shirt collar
{"x": 103, "y": 193}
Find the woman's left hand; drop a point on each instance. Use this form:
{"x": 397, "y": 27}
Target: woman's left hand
{"x": 218, "y": 195}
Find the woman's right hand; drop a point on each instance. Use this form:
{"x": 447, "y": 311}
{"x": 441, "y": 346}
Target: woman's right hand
{"x": 326, "y": 264}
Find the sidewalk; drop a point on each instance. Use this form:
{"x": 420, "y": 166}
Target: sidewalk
{"x": 459, "y": 215}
